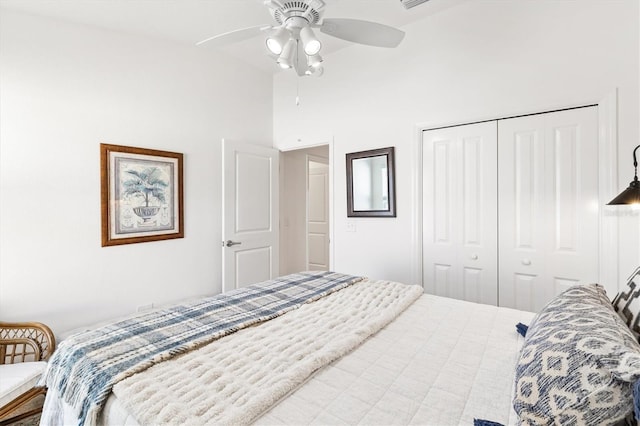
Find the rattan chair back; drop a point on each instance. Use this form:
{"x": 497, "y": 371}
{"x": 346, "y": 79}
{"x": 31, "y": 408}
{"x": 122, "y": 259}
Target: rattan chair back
{"x": 24, "y": 342}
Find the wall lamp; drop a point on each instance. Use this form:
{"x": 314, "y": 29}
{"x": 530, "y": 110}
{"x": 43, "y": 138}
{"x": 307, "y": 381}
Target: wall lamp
{"x": 631, "y": 195}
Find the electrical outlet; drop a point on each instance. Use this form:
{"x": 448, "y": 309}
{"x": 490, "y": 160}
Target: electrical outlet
{"x": 143, "y": 308}
{"x": 351, "y": 226}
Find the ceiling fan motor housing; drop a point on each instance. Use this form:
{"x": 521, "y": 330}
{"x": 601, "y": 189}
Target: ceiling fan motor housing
{"x": 309, "y": 10}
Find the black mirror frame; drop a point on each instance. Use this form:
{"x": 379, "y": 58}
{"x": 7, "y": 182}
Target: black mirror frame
{"x": 391, "y": 212}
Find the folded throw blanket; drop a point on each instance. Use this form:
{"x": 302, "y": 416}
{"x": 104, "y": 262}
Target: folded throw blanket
{"x": 86, "y": 366}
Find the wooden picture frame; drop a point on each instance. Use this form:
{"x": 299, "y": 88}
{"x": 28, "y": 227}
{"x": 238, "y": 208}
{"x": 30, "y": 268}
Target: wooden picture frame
{"x": 371, "y": 183}
{"x": 141, "y": 195}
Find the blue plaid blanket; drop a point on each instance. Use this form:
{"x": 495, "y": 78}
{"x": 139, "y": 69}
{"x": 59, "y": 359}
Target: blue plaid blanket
{"x": 85, "y": 367}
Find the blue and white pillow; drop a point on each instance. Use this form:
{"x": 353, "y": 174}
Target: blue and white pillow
{"x": 578, "y": 363}
{"x": 627, "y": 303}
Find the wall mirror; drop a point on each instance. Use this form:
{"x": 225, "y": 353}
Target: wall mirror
{"x": 371, "y": 183}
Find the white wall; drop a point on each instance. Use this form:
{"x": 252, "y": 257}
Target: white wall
{"x": 482, "y": 59}
{"x": 64, "y": 89}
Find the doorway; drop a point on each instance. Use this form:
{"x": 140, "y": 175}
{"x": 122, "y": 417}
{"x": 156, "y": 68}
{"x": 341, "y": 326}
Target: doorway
{"x": 305, "y": 199}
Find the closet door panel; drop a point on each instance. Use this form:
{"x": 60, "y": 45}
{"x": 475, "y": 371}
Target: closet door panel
{"x": 443, "y": 195}
{"x": 573, "y": 195}
{"x": 472, "y": 191}
{"x": 525, "y": 167}
{"x": 442, "y": 280}
{"x": 547, "y": 199}
{"x": 479, "y": 208}
{"x": 523, "y": 291}
{"x": 521, "y": 223}
{"x": 438, "y": 228}
{"x": 438, "y": 220}
{"x": 474, "y": 291}
{"x": 564, "y": 188}
{"x": 459, "y": 211}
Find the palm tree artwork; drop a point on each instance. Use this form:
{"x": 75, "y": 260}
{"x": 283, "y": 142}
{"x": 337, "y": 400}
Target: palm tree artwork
{"x": 148, "y": 185}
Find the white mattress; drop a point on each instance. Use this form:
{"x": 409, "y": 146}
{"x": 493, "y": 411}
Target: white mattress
{"x": 441, "y": 362}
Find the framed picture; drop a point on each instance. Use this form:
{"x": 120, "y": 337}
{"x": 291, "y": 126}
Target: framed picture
{"x": 371, "y": 183}
{"x": 141, "y": 195}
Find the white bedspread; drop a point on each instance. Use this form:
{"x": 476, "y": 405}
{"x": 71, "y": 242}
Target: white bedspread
{"x": 441, "y": 362}
{"x": 236, "y": 378}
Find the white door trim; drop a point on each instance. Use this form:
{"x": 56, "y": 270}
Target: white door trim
{"x": 608, "y": 181}
{"x": 416, "y": 208}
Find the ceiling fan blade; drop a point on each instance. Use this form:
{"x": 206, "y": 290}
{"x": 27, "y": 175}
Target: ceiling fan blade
{"x": 362, "y": 32}
{"x": 235, "y": 36}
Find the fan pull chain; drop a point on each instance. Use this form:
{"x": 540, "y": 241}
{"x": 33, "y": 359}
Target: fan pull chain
{"x": 297, "y": 91}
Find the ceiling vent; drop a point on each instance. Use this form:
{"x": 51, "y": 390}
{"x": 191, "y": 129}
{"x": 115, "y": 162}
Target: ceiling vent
{"x": 408, "y": 4}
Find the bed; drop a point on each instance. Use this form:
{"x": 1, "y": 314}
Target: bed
{"x": 362, "y": 352}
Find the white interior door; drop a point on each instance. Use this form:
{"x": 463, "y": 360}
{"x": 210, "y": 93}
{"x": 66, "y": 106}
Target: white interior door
{"x": 250, "y": 214}
{"x": 317, "y": 214}
{"x": 459, "y": 212}
{"x": 548, "y": 205}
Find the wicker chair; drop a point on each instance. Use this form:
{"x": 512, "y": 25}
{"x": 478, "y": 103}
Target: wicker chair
{"x": 25, "y": 346}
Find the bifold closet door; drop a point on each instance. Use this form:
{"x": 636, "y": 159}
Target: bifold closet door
{"x": 459, "y": 212}
{"x": 547, "y": 205}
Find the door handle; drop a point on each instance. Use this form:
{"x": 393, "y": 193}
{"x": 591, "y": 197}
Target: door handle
{"x": 526, "y": 262}
{"x": 230, "y": 243}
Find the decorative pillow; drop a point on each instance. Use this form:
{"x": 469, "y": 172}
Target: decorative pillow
{"x": 578, "y": 363}
{"x": 627, "y": 303}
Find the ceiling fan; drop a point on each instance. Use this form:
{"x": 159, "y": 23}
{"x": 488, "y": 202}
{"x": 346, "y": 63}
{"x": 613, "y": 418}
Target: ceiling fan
{"x": 292, "y": 42}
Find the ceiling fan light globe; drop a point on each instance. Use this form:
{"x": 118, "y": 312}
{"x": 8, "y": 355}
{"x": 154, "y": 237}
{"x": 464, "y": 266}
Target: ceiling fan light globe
{"x": 285, "y": 60}
{"x": 277, "y": 40}
{"x": 273, "y": 46}
{"x": 312, "y": 48}
{"x": 311, "y": 44}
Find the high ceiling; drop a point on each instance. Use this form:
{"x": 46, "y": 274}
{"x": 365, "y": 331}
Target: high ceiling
{"x": 188, "y": 21}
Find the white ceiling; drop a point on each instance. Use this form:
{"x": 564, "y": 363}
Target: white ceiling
{"x": 188, "y": 21}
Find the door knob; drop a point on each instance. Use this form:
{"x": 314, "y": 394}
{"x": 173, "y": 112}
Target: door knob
{"x": 230, "y": 243}
{"x": 526, "y": 262}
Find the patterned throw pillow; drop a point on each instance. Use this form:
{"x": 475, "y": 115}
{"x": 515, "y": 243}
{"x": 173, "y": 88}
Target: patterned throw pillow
{"x": 627, "y": 303}
{"x": 578, "y": 363}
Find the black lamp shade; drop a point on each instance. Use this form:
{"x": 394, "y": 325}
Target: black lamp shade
{"x": 631, "y": 195}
